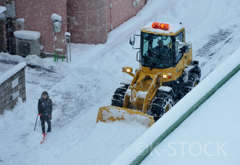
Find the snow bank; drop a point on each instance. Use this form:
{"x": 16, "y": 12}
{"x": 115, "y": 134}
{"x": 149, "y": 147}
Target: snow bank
{"x": 6, "y": 75}
{"x": 179, "y": 109}
{"x": 28, "y": 35}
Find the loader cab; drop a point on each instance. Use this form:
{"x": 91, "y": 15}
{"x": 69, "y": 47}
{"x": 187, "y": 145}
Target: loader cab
{"x": 163, "y": 55}
{"x": 157, "y": 51}
{"x": 159, "y": 47}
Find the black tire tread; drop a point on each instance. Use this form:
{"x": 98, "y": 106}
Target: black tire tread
{"x": 189, "y": 85}
{"x": 160, "y": 101}
{"x": 118, "y": 96}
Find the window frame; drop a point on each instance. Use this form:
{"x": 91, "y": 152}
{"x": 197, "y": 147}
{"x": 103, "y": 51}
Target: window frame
{"x": 178, "y": 56}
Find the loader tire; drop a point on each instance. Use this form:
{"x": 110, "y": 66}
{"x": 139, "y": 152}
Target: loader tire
{"x": 161, "y": 103}
{"x": 119, "y": 95}
{"x": 192, "y": 82}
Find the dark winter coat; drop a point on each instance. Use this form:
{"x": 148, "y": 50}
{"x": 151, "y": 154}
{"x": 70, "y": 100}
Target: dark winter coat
{"x": 159, "y": 51}
{"x": 45, "y": 106}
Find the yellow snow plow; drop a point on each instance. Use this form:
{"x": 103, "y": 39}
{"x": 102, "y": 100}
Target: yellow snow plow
{"x": 112, "y": 113}
{"x": 166, "y": 74}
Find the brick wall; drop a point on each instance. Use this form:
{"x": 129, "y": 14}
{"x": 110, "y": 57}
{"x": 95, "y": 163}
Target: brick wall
{"x": 12, "y": 88}
{"x": 121, "y": 11}
{"x": 37, "y": 15}
{"x": 87, "y": 21}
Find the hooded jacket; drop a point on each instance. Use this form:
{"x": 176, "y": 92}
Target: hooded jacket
{"x": 45, "y": 105}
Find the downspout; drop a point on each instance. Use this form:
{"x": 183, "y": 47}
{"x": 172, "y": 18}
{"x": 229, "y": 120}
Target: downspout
{"x": 111, "y": 26}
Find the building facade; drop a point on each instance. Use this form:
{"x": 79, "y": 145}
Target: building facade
{"x": 88, "y": 21}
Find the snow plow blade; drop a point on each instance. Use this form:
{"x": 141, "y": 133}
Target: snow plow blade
{"x": 112, "y": 113}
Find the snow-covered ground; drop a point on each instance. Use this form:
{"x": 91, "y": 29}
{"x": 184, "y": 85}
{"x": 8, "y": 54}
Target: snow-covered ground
{"x": 80, "y": 88}
{"x": 211, "y": 124}
{"x": 211, "y": 134}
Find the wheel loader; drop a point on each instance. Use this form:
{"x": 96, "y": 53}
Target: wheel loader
{"x": 166, "y": 74}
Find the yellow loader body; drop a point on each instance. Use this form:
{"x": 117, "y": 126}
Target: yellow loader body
{"x": 155, "y": 86}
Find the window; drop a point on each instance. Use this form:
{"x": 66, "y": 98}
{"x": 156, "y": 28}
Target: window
{"x": 178, "y": 56}
{"x": 180, "y": 37}
{"x": 156, "y": 51}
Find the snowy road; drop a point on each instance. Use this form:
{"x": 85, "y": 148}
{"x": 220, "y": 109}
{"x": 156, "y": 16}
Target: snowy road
{"x": 80, "y": 88}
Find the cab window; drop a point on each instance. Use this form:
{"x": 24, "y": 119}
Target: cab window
{"x": 178, "y": 56}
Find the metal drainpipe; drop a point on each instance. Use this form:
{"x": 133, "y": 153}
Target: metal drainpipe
{"x": 10, "y": 26}
{"x": 111, "y": 26}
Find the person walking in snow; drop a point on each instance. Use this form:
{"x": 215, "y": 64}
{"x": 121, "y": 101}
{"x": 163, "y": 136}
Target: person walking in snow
{"x": 45, "y": 111}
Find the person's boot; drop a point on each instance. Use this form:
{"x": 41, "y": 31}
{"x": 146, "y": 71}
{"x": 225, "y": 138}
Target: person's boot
{"x": 43, "y": 130}
{"x": 49, "y": 129}
{"x": 43, "y": 126}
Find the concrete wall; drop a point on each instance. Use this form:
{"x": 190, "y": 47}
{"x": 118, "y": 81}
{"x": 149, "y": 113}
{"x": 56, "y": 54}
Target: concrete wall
{"x": 7, "y": 90}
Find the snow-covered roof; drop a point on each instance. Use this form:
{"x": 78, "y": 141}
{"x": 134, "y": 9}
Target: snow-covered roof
{"x": 6, "y": 75}
{"x": 2, "y": 9}
{"x": 28, "y": 35}
{"x": 173, "y": 28}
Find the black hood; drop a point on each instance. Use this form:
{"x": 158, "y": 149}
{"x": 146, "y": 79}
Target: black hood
{"x": 45, "y": 93}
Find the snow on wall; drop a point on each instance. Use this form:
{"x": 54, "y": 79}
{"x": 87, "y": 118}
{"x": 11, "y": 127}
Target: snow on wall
{"x": 28, "y": 35}
{"x": 2, "y": 9}
{"x": 56, "y": 17}
{"x": 6, "y": 75}
{"x": 179, "y": 109}
{"x": 12, "y": 86}
{"x": 22, "y": 20}
{"x": 67, "y": 34}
